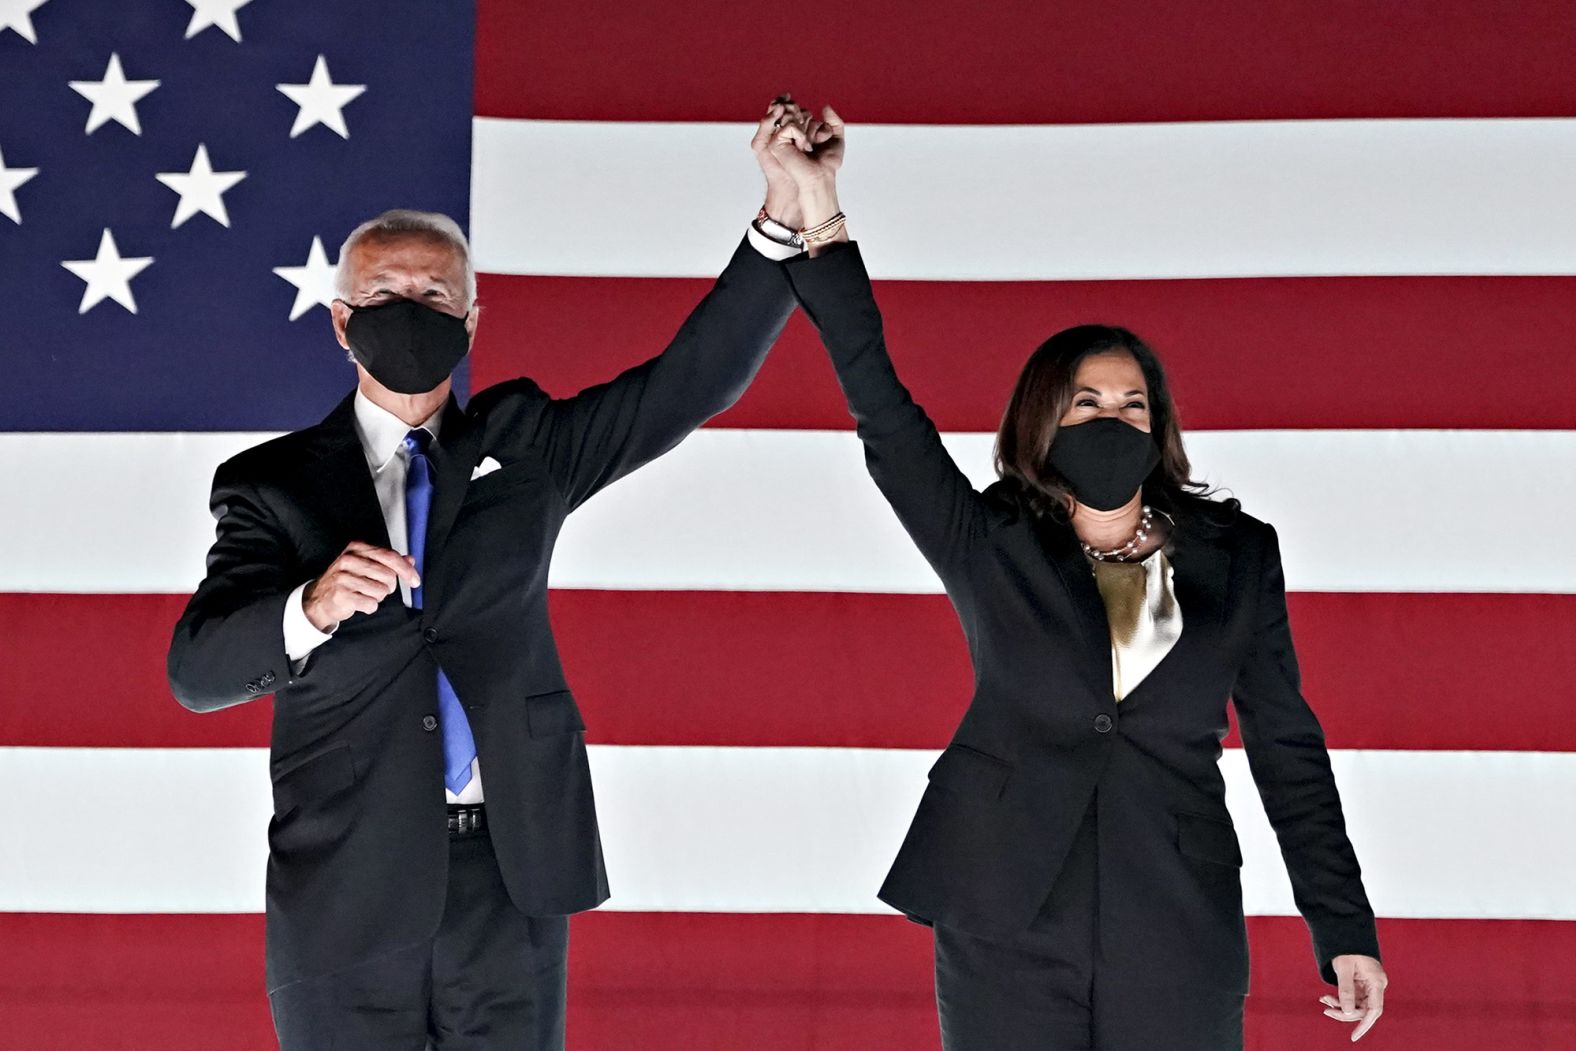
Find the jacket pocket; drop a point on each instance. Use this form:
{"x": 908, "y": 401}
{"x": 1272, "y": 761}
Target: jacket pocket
{"x": 316, "y": 777}
{"x": 550, "y": 714}
{"x": 499, "y": 483}
{"x": 1208, "y": 839}
{"x": 968, "y": 771}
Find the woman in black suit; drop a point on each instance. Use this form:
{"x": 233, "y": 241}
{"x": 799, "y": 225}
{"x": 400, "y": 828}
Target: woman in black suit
{"x": 1073, "y": 851}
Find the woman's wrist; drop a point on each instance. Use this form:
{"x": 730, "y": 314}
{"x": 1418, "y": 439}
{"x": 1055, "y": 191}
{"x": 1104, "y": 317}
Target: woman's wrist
{"x": 818, "y": 203}
{"x": 839, "y": 238}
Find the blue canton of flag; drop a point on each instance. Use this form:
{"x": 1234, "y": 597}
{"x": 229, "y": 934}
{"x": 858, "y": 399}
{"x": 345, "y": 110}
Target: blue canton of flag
{"x": 175, "y": 181}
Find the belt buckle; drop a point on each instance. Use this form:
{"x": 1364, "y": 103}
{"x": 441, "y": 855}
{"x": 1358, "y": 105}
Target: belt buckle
{"x": 465, "y": 820}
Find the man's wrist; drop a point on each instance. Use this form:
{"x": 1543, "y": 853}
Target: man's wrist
{"x": 782, "y": 204}
{"x": 301, "y": 636}
{"x": 777, "y": 231}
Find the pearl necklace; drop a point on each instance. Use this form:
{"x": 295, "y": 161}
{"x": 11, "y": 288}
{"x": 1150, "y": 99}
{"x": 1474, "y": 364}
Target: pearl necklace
{"x": 1121, "y": 554}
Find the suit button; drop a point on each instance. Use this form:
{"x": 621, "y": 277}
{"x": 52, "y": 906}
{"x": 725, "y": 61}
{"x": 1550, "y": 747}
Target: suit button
{"x": 431, "y": 634}
{"x": 1102, "y": 723}
{"x": 429, "y": 723}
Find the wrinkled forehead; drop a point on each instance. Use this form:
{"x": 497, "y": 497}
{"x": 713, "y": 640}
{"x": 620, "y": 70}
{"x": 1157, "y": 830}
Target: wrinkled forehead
{"x": 407, "y": 257}
{"x": 1111, "y": 370}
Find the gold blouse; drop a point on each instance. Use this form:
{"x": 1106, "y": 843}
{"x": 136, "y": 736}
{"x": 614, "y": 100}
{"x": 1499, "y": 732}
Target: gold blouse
{"x": 1143, "y": 615}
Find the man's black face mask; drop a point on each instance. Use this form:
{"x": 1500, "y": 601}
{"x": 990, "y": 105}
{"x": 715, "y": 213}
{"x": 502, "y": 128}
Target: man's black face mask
{"x": 407, "y": 347}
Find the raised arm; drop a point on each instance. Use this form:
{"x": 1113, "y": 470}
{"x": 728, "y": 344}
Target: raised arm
{"x": 932, "y": 497}
{"x": 606, "y": 431}
{"x": 1291, "y": 766}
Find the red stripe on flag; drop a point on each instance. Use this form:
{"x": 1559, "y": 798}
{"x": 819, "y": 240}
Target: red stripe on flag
{"x": 818, "y": 669}
{"x": 1025, "y": 62}
{"x": 1251, "y": 353}
{"x": 698, "y": 982}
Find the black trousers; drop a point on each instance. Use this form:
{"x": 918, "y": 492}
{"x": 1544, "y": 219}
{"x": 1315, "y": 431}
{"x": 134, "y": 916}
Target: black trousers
{"x": 1049, "y": 991}
{"x": 492, "y": 978}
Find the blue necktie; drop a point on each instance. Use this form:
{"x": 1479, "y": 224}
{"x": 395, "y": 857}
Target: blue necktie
{"x": 459, "y": 747}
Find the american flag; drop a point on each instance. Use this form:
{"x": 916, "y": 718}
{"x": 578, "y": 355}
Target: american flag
{"x": 1346, "y": 225}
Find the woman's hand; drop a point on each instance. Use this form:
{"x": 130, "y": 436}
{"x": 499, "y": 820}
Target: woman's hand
{"x": 811, "y": 154}
{"x": 782, "y": 193}
{"x": 1360, "y": 984}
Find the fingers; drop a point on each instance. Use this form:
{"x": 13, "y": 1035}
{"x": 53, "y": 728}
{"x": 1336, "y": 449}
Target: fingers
{"x": 767, "y": 127}
{"x": 1373, "y": 1000}
{"x": 791, "y": 135}
{"x": 402, "y": 566}
{"x": 830, "y": 118}
{"x": 363, "y": 576}
{"x": 1366, "y": 1024}
{"x": 1347, "y": 988}
{"x": 1365, "y": 1012}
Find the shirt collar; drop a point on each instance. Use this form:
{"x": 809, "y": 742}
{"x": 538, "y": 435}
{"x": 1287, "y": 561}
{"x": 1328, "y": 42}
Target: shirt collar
{"x": 382, "y": 433}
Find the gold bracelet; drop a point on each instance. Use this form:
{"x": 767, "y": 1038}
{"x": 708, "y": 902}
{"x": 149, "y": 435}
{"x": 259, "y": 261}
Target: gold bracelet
{"x": 825, "y": 232}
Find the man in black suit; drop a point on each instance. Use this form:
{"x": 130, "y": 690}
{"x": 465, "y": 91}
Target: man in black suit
{"x": 384, "y": 575}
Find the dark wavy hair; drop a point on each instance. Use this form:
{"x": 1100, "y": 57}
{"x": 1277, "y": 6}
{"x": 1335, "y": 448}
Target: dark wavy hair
{"x": 1040, "y": 399}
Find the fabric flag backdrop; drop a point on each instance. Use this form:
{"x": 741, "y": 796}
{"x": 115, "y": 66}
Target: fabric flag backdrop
{"x": 1346, "y": 226}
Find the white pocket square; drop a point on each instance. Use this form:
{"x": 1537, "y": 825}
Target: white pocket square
{"x": 487, "y": 466}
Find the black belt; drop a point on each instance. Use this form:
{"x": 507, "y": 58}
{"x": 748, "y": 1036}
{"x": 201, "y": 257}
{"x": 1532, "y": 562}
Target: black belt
{"x": 467, "y": 819}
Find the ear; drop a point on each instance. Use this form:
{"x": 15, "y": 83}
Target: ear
{"x": 471, "y": 320}
{"x": 340, "y": 310}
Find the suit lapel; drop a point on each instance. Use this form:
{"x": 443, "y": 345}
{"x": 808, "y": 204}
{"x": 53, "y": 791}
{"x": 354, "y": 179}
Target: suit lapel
{"x": 341, "y": 482}
{"x": 1066, "y": 555}
{"x": 454, "y": 456}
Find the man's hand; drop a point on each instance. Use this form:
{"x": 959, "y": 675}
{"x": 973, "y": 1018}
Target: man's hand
{"x": 782, "y": 194}
{"x": 356, "y": 581}
{"x": 1361, "y": 982}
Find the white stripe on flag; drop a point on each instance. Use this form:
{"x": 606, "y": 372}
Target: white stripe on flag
{"x": 997, "y": 202}
{"x": 1455, "y": 835}
{"x": 1377, "y": 510}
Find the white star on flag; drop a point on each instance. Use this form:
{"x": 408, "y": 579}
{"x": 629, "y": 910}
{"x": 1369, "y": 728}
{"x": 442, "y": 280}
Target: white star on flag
{"x": 14, "y": 16}
{"x": 10, "y": 179}
{"x": 321, "y": 100}
{"x": 219, "y": 13}
{"x": 114, "y": 97}
{"x": 201, "y": 189}
{"x": 314, "y": 282}
{"x": 108, "y": 276}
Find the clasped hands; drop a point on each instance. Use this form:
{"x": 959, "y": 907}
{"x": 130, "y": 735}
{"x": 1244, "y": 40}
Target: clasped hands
{"x": 800, "y": 156}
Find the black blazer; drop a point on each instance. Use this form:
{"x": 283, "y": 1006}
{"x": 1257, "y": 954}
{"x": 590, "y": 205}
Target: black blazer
{"x": 1043, "y": 736}
{"x": 358, "y": 848}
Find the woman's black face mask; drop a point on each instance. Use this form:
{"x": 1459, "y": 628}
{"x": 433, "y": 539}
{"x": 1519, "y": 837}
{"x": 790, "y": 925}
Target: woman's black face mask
{"x": 1104, "y": 460}
{"x": 406, "y": 346}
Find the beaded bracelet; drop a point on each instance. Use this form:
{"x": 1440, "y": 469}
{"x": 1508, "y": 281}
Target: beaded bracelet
{"x": 825, "y": 232}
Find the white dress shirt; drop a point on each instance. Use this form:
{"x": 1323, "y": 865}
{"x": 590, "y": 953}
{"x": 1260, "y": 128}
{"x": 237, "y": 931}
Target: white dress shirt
{"x": 383, "y": 441}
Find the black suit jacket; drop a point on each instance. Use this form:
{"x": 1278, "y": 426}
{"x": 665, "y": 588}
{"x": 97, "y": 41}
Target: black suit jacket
{"x": 1044, "y": 736}
{"x": 358, "y": 844}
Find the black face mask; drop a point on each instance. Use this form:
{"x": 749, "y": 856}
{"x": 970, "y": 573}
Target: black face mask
{"x": 1104, "y": 460}
{"x": 408, "y": 347}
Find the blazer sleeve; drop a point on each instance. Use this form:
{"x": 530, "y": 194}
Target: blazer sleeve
{"x": 1291, "y": 766}
{"x": 606, "y": 431}
{"x": 228, "y": 647}
{"x": 903, "y": 452}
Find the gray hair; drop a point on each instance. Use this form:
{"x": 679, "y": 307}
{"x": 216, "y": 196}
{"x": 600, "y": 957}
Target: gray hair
{"x": 406, "y": 221}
